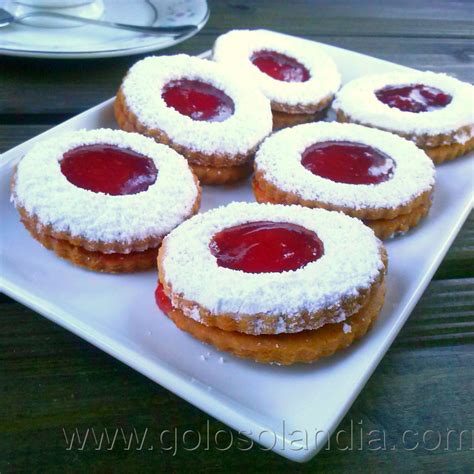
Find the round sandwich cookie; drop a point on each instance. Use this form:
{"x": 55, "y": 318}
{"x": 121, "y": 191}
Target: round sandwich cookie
{"x": 298, "y": 77}
{"x": 375, "y": 176}
{"x": 199, "y": 109}
{"x": 276, "y": 284}
{"x": 104, "y": 199}
{"x": 433, "y": 110}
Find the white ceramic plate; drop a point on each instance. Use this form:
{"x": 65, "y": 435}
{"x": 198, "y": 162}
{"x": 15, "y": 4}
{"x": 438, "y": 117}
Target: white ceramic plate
{"x": 276, "y": 406}
{"x": 88, "y": 41}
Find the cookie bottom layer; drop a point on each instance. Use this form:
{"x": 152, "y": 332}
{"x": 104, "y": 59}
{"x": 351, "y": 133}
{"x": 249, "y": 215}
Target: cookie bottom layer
{"x": 444, "y": 153}
{"x": 286, "y": 349}
{"x": 221, "y": 175}
{"x": 386, "y": 228}
{"x": 285, "y": 119}
{"x": 97, "y": 261}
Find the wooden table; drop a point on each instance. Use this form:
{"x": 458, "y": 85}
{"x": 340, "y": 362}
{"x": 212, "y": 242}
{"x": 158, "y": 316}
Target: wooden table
{"x": 51, "y": 380}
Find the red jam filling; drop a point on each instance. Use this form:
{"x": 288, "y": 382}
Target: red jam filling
{"x": 348, "y": 162}
{"x": 198, "y": 100}
{"x": 280, "y": 66}
{"x": 162, "y": 300}
{"x": 266, "y": 247}
{"x": 108, "y": 169}
{"x": 414, "y": 98}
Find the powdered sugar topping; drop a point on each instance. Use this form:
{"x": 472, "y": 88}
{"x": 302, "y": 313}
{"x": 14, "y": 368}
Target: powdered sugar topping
{"x": 234, "y": 50}
{"x": 44, "y": 191}
{"x": 250, "y": 123}
{"x": 357, "y": 99}
{"x": 351, "y": 262}
{"x": 279, "y": 159}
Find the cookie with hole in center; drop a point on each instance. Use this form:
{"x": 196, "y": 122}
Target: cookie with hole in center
{"x": 104, "y": 199}
{"x": 280, "y": 284}
{"x": 198, "y": 108}
{"x": 375, "y": 176}
{"x": 298, "y": 77}
{"x": 433, "y": 110}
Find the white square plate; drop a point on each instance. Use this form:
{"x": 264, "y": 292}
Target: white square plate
{"x": 281, "y": 407}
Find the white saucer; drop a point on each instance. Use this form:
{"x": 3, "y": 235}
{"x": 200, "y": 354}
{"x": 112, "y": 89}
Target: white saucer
{"x": 89, "y": 41}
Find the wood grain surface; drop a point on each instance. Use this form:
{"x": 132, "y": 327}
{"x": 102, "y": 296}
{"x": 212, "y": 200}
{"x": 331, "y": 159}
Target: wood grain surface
{"x": 416, "y": 413}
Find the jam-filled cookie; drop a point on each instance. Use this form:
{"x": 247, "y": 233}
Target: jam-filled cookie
{"x": 375, "y": 176}
{"x": 104, "y": 199}
{"x": 193, "y": 105}
{"x": 273, "y": 283}
{"x": 296, "y": 75}
{"x": 433, "y": 110}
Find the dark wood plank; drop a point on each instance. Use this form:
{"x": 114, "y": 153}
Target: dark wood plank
{"x": 444, "y": 316}
{"x": 459, "y": 261}
{"x": 369, "y": 18}
{"x": 13, "y": 135}
{"x": 52, "y": 380}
